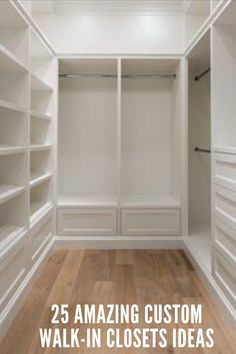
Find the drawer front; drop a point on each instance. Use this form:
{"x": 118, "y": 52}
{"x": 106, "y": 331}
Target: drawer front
{"x": 224, "y": 170}
{"x": 225, "y": 206}
{"x": 150, "y": 222}
{"x": 225, "y": 276}
{"x": 225, "y": 240}
{"x": 41, "y": 234}
{"x": 12, "y": 270}
{"x": 87, "y": 221}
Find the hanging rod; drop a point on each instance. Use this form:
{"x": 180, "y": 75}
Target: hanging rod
{"x": 203, "y": 73}
{"x": 135, "y": 76}
{"x": 197, "y": 149}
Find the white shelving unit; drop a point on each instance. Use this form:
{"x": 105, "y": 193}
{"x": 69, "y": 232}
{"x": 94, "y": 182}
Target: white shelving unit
{"x": 41, "y": 128}
{"x": 115, "y": 164}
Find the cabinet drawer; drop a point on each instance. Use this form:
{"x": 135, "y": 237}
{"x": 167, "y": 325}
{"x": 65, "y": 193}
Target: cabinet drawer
{"x": 12, "y": 270}
{"x": 225, "y": 276}
{"x": 41, "y": 234}
{"x": 224, "y": 170}
{"x": 87, "y": 221}
{"x": 225, "y": 206}
{"x": 150, "y": 222}
{"x": 225, "y": 240}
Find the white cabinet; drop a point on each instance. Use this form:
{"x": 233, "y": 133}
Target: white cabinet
{"x": 224, "y": 170}
{"x": 224, "y": 204}
{"x": 40, "y": 235}
{"x": 87, "y": 221}
{"x": 13, "y": 264}
{"x": 225, "y": 274}
{"x": 150, "y": 222}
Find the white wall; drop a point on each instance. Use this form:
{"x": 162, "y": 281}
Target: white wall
{"x": 89, "y": 34}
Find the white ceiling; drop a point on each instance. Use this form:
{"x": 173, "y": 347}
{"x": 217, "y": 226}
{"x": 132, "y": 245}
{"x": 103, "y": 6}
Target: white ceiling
{"x": 137, "y": 7}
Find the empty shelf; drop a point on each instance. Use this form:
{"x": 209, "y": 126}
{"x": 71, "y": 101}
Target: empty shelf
{"x": 225, "y": 150}
{"x": 37, "y": 178}
{"x": 90, "y": 200}
{"x": 149, "y": 201}
{"x": 36, "y": 114}
{"x": 9, "y": 233}
{"x": 38, "y": 209}
{"x": 40, "y": 147}
{"x": 9, "y": 62}
{"x": 12, "y": 106}
{"x": 8, "y": 149}
{"x": 8, "y": 191}
{"x": 39, "y": 85}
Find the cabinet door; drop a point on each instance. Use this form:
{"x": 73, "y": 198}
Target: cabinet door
{"x": 87, "y": 221}
{"x": 150, "y": 222}
{"x": 13, "y": 264}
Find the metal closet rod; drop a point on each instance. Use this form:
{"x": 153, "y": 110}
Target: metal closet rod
{"x": 135, "y": 76}
{"x": 197, "y": 149}
{"x": 203, "y": 73}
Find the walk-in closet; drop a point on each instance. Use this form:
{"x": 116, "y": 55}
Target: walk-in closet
{"x": 117, "y": 159}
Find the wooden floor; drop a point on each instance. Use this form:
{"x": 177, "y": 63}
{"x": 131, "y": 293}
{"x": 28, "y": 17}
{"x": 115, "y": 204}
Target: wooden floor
{"x": 102, "y": 276}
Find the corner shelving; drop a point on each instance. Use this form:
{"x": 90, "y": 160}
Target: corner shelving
{"x": 41, "y": 124}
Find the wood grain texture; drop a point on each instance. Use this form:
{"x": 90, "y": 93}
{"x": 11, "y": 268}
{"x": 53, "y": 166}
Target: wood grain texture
{"x": 114, "y": 276}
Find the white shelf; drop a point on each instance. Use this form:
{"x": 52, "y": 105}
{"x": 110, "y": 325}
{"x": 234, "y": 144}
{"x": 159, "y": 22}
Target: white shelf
{"x": 8, "y": 192}
{"x": 40, "y": 147}
{"x": 38, "y": 209}
{"x": 9, "y": 62}
{"x": 149, "y": 201}
{"x": 36, "y": 114}
{"x": 8, "y": 149}
{"x": 37, "y": 178}
{"x": 12, "y": 106}
{"x": 87, "y": 200}
{"x": 224, "y": 150}
{"x": 39, "y": 85}
{"x": 9, "y": 233}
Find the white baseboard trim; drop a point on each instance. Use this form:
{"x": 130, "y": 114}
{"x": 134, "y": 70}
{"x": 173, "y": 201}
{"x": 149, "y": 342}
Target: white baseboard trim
{"x": 118, "y": 242}
{"x": 226, "y": 309}
{"x": 10, "y": 311}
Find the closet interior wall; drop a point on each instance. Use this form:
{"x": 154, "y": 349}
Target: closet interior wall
{"x": 199, "y": 134}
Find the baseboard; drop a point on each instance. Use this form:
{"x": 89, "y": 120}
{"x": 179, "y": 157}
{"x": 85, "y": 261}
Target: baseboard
{"x": 118, "y": 242}
{"x": 10, "y": 311}
{"x": 226, "y": 309}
